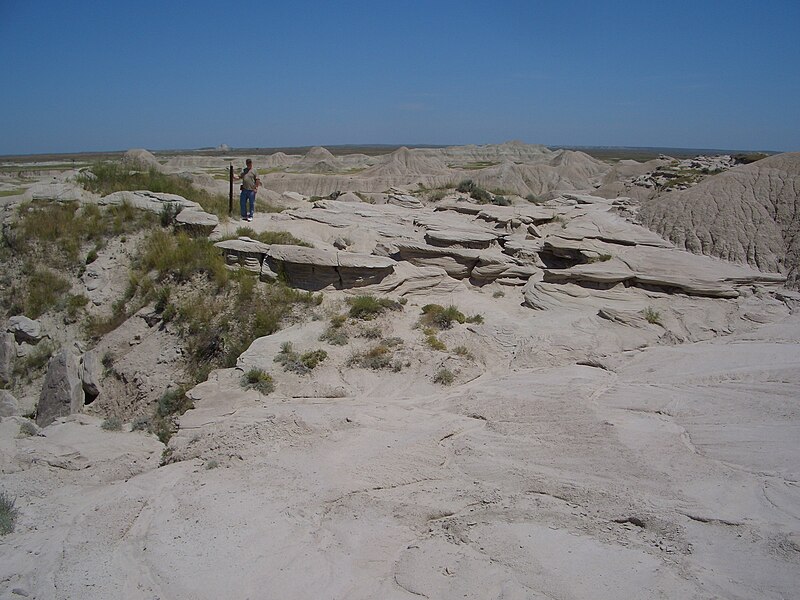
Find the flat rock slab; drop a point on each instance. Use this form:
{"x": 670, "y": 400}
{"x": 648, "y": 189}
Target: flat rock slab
{"x": 197, "y": 220}
{"x": 608, "y": 227}
{"x": 146, "y": 200}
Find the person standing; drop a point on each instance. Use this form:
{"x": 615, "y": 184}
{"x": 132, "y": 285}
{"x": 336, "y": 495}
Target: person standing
{"x": 249, "y": 187}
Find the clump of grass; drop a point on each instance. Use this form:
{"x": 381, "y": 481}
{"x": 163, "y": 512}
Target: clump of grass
{"x": 379, "y": 356}
{"x": 433, "y": 342}
{"x": 444, "y": 377}
{"x": 33, "y": 365}
{"x": 476, "y": 319}
{"x": 179, "y": 257}
{"x": 141, "y": 423}
{"x": 462, "y": 351}
{"x": 498, "y": 294}
{"x": 480, "y": 195}
{"x": 259, "y": 380}
{"x": 110, "y": 177}
{"x": 169, "y": 211}
{"x": 371, "y": 333}
{"x": 173, "y": 403}
{"x": 8, "y": 514}
{"x": 501, "y": 201}
{"x": 368, "y": 307}
{"x": 534, "y": 199}
{"x": 600, "y": 258}
{"x": 652, "y": 316}
{"x": 111, "y": 424}
{"x": 299, "y": 363}
{"x": 283, "y": 238}
{"x": 28, "y": 428}
{"x": 335, "y": 333}
{"x": 434, "y": 315}
{"x": 211, "y": 464}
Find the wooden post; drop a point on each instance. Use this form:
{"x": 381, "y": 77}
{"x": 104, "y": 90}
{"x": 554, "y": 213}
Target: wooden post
{"x": 230, "y": 193}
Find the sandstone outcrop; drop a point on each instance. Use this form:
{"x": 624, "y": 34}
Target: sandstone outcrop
{"x": 747, "y": 214}
{"x": 25, "y": 329}
{"x": 62, "y": 392}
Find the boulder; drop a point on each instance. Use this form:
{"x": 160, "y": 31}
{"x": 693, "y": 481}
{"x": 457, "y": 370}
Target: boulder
{"x": 196, "y": 221}
{"x": 9, "y": 407}
{"x": 458, "y": 263}
{"x": 62, "y": 392}
{"x": 25, "y": 329}
{"x": 7, "y": 353}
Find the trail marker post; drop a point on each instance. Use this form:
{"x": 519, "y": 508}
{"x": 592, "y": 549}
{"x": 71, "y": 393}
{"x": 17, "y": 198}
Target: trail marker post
{"x": 230, "y": 192}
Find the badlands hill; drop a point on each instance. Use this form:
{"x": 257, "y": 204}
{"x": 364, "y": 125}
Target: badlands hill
{"x": 748, "y": 214}
{"x": 396, "y": 391}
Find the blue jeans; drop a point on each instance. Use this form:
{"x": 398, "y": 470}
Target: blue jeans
{"x": 247, "y": 203}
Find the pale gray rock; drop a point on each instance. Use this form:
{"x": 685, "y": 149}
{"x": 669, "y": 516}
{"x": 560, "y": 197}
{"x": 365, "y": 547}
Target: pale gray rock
{"x": 25, "y": 329}
{"x": 60, "y": 191}
{"x": 146, "y": 200}
{"x": 62, "y": 392}
{"x": 458, "y": 263}
{"x": 9, "y": 406}
{"x": 340, "y": 243}
{"x": 348, "y": 197}
{"x": 7, "y": 353}
{"x": 460, "y": 237}
{"x": 404, "y": 201}
{"x": 91, "y": 373}
{"x": 196, "y": 221}
{"x": 245, "y": 252}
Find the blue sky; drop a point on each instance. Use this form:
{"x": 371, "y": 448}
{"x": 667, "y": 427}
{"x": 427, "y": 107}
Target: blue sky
{"x": 90, "y": 76}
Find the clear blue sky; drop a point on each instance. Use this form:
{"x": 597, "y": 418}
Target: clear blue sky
{"x": 86, "y": 76}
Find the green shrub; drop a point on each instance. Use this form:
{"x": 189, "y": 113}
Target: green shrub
{"x": 173, "y": 402}
{"x": 533, "y": 199}
{"x": 462, "y": 351}
{"x": 466, "y": 186}
{"x": 335, "y": 336}
{"x": 141, "y": 423}
{"x": 377, "y": 357}
{"x": 211, "y": 464}
{"x": 28, "y": 428}
{"x": 441, "y": 317}
{"x": 259, "y": 380}
{"x": 8, "y": 514}
{"x": 371, "y": 333}
{"x": 652, "y": 316}
{"x": 272, "y": 237}
{"x": 501, "y": 201}
{"x": 112, "y": 424}
{"x": 444, "y": 377}
{"x": 296, "y": 363}
{"x": 169, "y": 211}
{"x": 434, "y": 342}
{"x": 368, "y": 307}
{"x": 498, "y": 294}
{"x": 477, "y": 319}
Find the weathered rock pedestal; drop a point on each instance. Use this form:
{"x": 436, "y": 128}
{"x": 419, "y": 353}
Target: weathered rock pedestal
{"x": 62, "y": 392}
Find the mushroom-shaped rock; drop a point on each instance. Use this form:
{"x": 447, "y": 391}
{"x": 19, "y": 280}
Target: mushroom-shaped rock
{"x": 244, "y": 251}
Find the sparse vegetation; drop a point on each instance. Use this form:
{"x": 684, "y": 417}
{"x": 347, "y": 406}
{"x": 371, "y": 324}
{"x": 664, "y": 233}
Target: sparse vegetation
{"x": 8, "y": 514}
{"x": 480, "y": 195}
{"x": 111, "y": 424}
{"x": 444, "y": 377}
{"x": 434, "y": 315}
{"x": 141, "y": 423}
{"x": 272, "y": 237}
{"x": 296, "y": 363}
{"x": 379, "y": 356}
{"x": 498, "y": 294}
{"x": 29, "y": 367}
{"x": 172, "y": 404}
{"x": 27, "y": 429}
{"x": 433, "y": 342}
{"x": 534, "y": 199}
{"x": 501, "y": 201}
{"x": 652, "y": 316}
{"x": 368, "y": 307}
{"x": 259, "y": 380}
{"x": 462, "y": 351}
{"x": 211, "y": 464}
{"x": 109, "y": 177}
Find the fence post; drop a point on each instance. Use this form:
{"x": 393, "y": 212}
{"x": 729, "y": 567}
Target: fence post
{"x": 230, "y": 193}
